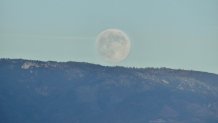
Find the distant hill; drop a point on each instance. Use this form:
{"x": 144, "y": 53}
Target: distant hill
{"x": 73, "y": 92}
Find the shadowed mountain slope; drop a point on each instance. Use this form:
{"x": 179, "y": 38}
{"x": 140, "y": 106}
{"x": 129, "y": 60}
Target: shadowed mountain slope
{"x": 73, "y": 92}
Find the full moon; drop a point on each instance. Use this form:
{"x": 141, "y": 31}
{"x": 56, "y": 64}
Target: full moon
{"x": 113, "y": 45}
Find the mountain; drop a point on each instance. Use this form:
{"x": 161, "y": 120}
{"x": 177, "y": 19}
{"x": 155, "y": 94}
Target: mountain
{"x": 73, "y": 92}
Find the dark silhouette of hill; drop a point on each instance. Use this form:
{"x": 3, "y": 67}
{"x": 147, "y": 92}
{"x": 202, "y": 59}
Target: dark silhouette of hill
{"x": 73, "y": 92}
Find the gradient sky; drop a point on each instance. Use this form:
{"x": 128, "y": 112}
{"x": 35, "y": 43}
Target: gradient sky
{"x": 164, "y": 33}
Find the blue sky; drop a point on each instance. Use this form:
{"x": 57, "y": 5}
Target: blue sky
{"x": 181, "y": 34}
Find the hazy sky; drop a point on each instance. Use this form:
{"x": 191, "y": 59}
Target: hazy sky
{"x": 164, "y": 33}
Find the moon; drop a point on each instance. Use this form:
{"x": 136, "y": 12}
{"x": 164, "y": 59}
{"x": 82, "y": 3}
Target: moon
{"x": 113, "y": 45}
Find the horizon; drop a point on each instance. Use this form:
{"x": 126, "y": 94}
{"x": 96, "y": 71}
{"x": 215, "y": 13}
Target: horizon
{"x": 111, "y": 66}
{"x": 173, "y": 34}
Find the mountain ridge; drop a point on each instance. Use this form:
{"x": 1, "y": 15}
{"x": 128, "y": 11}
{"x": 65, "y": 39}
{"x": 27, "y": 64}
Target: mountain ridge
{"x": 126, "y": 67}
{"x": 75, "y": 92}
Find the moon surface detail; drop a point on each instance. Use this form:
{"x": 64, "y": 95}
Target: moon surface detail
{"x": 113, "y": 45}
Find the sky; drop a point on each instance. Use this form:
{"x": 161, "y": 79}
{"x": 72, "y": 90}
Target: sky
{"x": 179, "y": 34}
